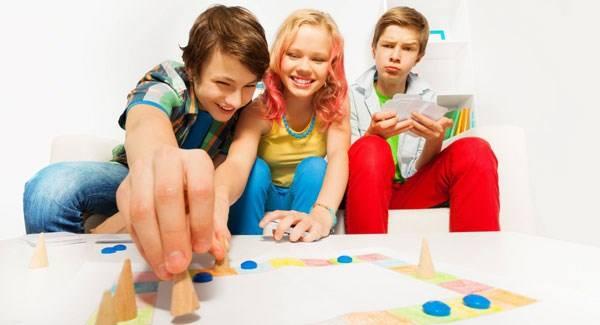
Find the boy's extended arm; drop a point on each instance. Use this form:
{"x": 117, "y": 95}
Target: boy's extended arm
{"x": 163, "y": 183}
{"x": 147, "y": 129}
{"x": 232, "y": 175}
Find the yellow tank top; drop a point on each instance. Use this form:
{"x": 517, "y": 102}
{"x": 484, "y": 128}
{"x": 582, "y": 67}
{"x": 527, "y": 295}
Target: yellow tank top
{"x": 283, "y": 152}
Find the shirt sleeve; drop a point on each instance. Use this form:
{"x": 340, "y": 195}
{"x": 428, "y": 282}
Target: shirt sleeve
{"x": 410, "y": 148}
{"x": 353, "y": 117}
{"x": 154, "y": 93}
{"x": 156, "y": 89}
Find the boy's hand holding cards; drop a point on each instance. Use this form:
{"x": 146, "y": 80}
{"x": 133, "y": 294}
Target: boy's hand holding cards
{"x": 404, "y": 105}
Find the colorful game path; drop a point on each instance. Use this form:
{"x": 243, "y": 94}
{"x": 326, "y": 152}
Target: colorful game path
{"x": 474, "y": 299}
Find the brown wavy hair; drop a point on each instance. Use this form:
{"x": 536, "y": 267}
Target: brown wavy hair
{"x": 234, "y": 31}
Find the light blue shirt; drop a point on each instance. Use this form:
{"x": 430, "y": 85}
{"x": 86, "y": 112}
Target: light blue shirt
{"x": 364, "y": 103}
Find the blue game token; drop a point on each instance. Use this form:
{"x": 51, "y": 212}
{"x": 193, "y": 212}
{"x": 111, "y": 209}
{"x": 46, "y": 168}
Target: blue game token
{"x": 108, "y": 250}
{"x": 119, "y": 247}
{"x": 202, "y": 277}
{"x": 476, "y": 301}
{"x": 436, "y": 308}
{"x": 344, "y": 259}
{"x": 249, "y": 265}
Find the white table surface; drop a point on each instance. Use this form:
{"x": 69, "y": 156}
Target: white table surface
{"x": 564, "y": 277}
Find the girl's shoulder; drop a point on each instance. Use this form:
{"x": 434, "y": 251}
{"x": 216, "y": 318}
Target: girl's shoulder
{"x": 255, "y": 114}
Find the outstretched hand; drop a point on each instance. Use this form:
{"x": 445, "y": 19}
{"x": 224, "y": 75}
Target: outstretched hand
{"x": 167, "y": 201}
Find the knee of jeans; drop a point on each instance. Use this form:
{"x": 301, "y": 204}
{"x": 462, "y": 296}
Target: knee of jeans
{"x": 260, "y": 176}
{"x": 480, "y": 151}
{"x": 55, "y": 182}
{"x": 312, "y": 166}
{"x": 40, "y": 191}
{"x": 371, "y": 153}
{"x": 369, "y": 142}
{"x": 310, "y": 173}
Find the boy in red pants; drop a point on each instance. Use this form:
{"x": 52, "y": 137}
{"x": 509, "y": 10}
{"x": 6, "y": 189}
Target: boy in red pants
{"x": 393, "y": 169}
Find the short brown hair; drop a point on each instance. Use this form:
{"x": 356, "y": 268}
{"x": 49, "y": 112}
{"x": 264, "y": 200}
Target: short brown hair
{"x": 234, "y": 31}
{"x": 403, "y": 17}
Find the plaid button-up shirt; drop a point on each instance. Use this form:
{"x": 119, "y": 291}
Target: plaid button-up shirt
{"x": 167, "y": 88}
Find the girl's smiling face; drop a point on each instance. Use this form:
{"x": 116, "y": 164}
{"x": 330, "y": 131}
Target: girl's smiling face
{"x": 306, "y": 63}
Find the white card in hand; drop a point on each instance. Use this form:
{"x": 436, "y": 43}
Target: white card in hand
{"x": 434, "y": 111}
{"x": 404, "y": 105}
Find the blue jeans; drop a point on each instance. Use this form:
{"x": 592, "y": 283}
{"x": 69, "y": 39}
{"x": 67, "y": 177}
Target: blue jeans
{"x": 261, "y": 195}
{"x": 56, "y": 198}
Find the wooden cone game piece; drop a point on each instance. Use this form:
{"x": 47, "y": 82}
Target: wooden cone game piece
{"x": 425, "y": 269}
{"x": 39, "y": 258}
{"x": 124, "y": 300}
{"x": 106, "y": 313}
{"x": 223, "y": 265}
{"x": 183, "y": 296}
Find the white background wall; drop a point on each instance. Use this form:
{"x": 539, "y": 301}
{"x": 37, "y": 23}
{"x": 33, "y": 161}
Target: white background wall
{"x": 68, "y": 65}
{"x": 537, "y": 66}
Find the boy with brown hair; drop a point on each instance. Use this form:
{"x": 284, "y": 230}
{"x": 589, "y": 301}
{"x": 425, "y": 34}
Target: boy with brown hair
{"x": 178, "y": 121}
{"x": 392, "y": 169}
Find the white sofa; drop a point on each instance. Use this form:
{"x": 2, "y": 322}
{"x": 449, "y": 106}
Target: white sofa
{"x": 508, "y": 142}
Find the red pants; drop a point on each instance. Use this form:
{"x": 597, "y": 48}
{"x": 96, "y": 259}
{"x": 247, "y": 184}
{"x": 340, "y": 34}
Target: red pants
{"x": 464, "y": 174}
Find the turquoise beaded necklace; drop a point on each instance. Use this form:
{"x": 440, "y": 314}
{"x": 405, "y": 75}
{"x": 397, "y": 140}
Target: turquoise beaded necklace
{"x": 300, "y": 135}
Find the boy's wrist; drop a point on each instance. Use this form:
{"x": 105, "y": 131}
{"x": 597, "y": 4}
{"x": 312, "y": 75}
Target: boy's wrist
{"x": 434, "y": 142}
{"x": 221, "y": 208}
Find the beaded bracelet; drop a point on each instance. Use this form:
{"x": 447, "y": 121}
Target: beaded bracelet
{"x": 330, "y": 210}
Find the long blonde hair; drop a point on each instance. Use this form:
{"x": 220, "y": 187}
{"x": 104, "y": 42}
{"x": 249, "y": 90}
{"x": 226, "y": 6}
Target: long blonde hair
{"x": 328, "y": 100}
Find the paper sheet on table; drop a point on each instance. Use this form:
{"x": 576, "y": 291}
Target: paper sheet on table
{"x": 305, "y": 295}
{"x": 55, "y": 239}
{"x": 273, "y": 296}
{"x": 283, "y": 294}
